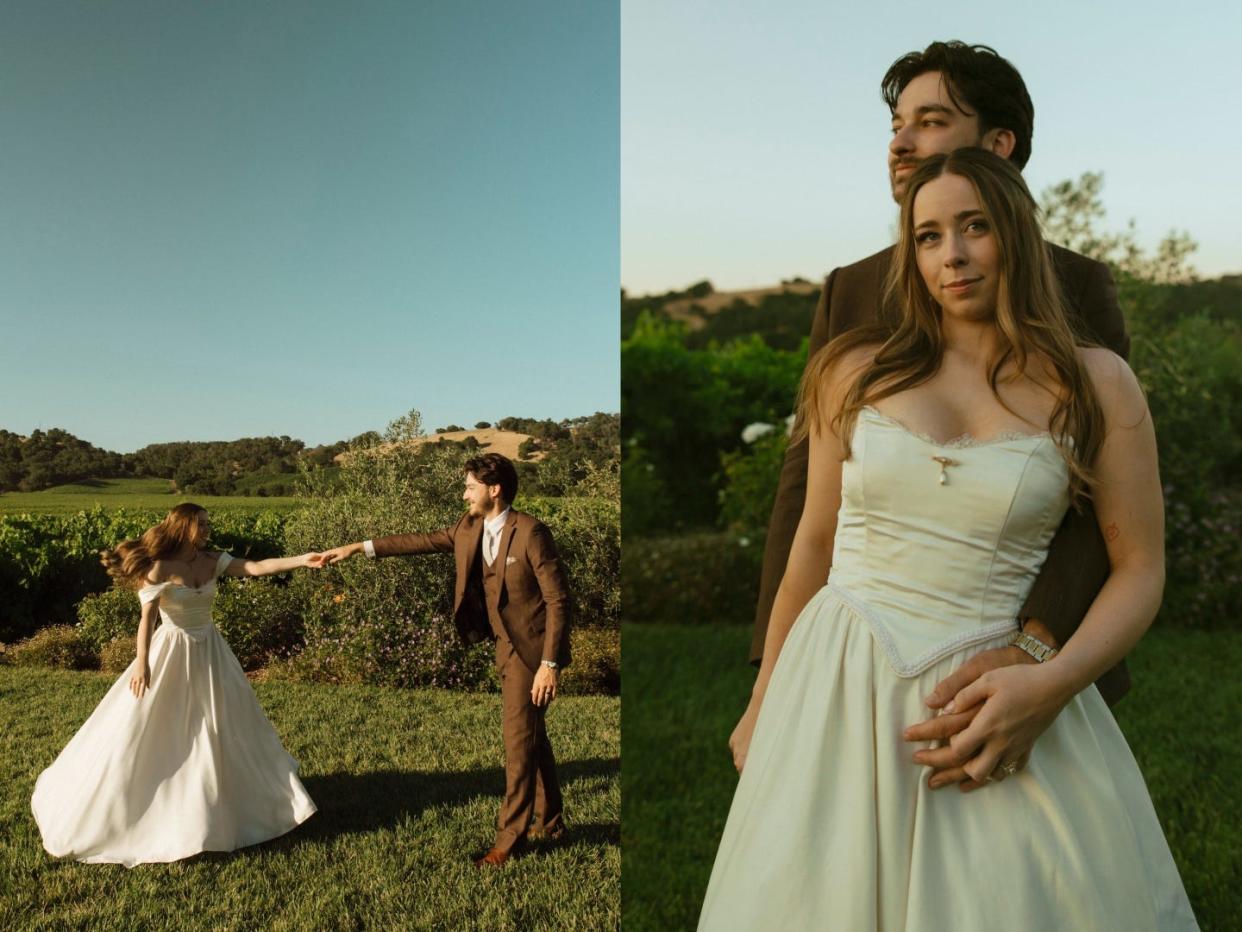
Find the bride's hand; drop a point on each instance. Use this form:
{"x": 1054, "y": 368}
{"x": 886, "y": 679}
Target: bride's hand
{"x": 312, "y": 559}
{"x": 1016, "y": 705}
{"x": 141, "y": 680}
{"x": 739, "y": 741}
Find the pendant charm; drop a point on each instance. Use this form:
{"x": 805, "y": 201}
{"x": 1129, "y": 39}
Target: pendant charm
{"x": 944, "y": 461}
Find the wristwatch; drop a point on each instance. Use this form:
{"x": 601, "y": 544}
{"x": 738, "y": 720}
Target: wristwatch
{"x": 1032, "y": 645}
{"x": 551, "y": 664}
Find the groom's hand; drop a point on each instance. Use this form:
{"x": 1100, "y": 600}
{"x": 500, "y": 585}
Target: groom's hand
{"x": 336, "y": 555}
{"x": 543, "y": 690}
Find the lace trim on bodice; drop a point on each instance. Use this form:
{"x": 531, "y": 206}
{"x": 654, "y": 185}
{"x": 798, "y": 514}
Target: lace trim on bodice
{"x": 963, "y": 440}
{"x": 888, "y": 644}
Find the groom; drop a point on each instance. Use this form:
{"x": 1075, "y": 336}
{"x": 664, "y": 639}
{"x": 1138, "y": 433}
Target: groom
{"x": 945, "y": 97}
{"x": 509, "y": 587}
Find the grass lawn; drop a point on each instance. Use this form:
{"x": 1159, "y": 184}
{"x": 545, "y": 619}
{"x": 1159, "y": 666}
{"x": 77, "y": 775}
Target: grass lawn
{"x": 407, "y": 782}
{"x": 133, "y": 494}
{"x": 686, "y": 686}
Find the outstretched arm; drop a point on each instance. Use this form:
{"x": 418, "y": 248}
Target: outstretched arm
{"x": 269, "y": 567}
{"x": 395, "y": 545}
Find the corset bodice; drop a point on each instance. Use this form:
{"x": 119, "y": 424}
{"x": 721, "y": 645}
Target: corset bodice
{"x": 938, "y": 565}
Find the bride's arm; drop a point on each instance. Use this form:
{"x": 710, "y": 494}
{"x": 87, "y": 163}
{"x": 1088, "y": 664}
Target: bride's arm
{"x": 141, "y": 677}
{"x": 268, "y": 567}
{"x": 810, "y": 555}
{"x": 1022, "y": 701}
{"x": 1129, "y": 506}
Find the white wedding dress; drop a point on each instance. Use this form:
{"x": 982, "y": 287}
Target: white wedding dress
{"x": 833, "y": 825}
{"x": 194, "y": 765}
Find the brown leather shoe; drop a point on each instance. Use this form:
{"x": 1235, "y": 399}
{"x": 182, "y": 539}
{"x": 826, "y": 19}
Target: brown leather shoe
{"x": 494, "y": 858}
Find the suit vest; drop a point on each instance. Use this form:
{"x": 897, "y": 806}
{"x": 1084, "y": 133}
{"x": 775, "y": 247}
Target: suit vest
{"x": 493, "y": 582}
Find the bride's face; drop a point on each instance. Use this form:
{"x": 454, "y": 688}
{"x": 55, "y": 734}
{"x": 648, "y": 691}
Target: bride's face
{"x": 956, "y": 248}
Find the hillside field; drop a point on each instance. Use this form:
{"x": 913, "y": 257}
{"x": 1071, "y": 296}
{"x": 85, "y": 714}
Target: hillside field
{"x": 132, "y": 494}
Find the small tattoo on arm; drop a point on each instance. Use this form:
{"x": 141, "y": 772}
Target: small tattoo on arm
{"x": 1112, "y": 532}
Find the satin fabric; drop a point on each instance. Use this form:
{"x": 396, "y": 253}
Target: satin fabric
{"x": 194, "y": 765}
{"x": 832, "y": 825}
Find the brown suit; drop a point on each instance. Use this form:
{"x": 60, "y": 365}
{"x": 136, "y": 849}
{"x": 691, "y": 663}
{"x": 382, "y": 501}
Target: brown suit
{"x": 521, "y": 599}
{"x": 1077, "y": 563}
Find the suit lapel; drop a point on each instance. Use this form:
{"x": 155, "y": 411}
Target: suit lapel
{"x": 465, "y": 555}
{"x": 502, "y": 550}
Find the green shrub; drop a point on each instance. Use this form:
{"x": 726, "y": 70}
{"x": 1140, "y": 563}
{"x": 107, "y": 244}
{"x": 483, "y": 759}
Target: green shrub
{"x": 389, "y": 622}
{"x": 385, "y": 622}
{"x": 751, "y": 477}
{"x": 588, "y": 533}
{"x": 259, "y": 618}
{"x": 596, "y": 666}
{"x": 682, "y": 408}
{"x": 105, "y": 615}
{"x": 57, "y": 646}
{"x": 703, "y": 578}
{"x": 118, "y": 654}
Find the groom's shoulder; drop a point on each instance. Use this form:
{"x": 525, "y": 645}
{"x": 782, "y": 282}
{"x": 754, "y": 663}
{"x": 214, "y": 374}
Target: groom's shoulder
{"x": 864, "y": 271}
{"x": 859, "y": 283}
{"x": 526, "y": 520}
{"x": 1074, "y": 266}
{"x": 528, "y": 524}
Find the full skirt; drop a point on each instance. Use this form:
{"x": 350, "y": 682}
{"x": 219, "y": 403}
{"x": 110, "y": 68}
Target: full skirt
{"x": 194, "y": 765}
{"x": 833, "y": 825}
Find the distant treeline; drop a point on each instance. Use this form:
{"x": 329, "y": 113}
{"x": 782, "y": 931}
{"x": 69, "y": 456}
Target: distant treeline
{"x": 269, "y": 465}
{"x": 50, "y": 457}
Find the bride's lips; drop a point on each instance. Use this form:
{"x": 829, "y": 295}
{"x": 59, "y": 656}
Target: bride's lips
{"x": 961, "y": 285}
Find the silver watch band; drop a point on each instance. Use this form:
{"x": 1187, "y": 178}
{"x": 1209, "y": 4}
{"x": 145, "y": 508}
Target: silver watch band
{"x": 550, "y": 664}
{"x": 1032, "y": 645}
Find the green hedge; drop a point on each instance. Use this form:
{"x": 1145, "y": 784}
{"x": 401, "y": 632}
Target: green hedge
{"x": 389, "y": 622}
{"x": 700, "y": 578}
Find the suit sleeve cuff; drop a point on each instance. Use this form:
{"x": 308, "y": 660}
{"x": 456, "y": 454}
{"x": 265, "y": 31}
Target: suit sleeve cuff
{"x": 368, "y": 547}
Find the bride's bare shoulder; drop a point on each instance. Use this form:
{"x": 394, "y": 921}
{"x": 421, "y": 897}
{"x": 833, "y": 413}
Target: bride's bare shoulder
{"x": 1116, "y": 386}
{"x": 845, "y": 369}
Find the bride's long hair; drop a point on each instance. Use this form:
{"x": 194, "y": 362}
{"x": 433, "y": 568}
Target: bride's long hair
{"x": 1030, "y": 316}
{"x": 130, "y": 561}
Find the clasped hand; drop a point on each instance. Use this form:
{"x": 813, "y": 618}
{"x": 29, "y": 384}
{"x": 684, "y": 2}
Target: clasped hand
{"x": 328, "y": 557}
{"x": 992, "y": 709}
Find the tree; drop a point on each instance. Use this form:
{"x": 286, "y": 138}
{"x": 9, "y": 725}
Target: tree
{"x": 1071, "y": 210}
{"x": 407, "y": 427}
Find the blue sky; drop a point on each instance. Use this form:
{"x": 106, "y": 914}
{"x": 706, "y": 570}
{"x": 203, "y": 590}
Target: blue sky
{"x": 238, "y": 219}
{"x": 753, "y": 134}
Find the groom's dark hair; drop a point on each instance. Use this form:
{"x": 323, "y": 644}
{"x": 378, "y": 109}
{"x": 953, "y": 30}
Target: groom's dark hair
{"x": 979, "y": 82}
{"x": 494, "y": 469}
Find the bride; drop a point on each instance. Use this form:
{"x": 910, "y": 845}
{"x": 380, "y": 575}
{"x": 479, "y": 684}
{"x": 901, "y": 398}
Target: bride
{"x": 943, "y": 455}
{"x": 178, "y": 757}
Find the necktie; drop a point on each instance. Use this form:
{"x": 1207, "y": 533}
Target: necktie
{"x": 489, "y": 546}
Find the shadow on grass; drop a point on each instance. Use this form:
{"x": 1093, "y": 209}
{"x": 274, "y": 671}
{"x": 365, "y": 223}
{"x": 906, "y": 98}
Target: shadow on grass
{"x": 356, "y": 803}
